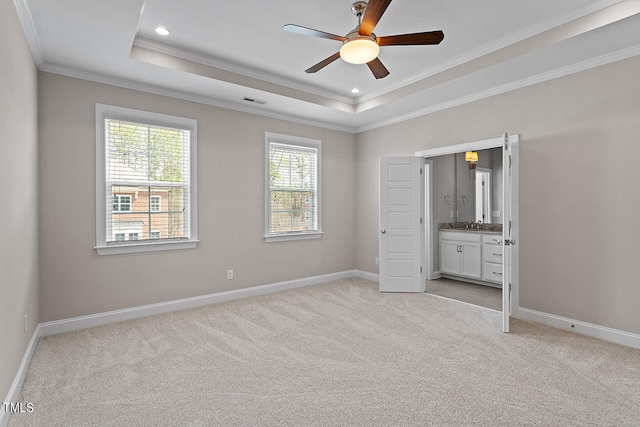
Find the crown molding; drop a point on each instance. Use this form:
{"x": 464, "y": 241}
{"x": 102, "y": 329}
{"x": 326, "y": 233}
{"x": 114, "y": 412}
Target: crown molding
{"x": 29, "y": 29}
{"x": 184, "y": 96}
{"x": 156, "y": 90}
{"x": 494, "y": 46}
{"x": 519, "y": 84}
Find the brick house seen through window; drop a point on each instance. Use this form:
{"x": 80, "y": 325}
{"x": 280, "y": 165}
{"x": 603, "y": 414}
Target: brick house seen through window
{"x": 137, "y": 211}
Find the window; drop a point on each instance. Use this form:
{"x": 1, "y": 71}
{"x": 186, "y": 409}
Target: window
{"x": 145, "y": 181}
{"x": 121, "y": 203}
{"x": 154, "y": 203}
{"x": 292, "y": 188}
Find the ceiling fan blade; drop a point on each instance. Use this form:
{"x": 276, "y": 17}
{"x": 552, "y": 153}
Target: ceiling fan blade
{"x": 291, "y": 28}
{"x": 372, "y": 15}
{"x": 320, "y": 65}
{"x": 431, "y": 37}
{"x": 378, "y": 70}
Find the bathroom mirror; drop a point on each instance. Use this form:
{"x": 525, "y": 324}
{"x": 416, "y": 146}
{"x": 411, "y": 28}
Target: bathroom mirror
{"x": 479, "y": 190}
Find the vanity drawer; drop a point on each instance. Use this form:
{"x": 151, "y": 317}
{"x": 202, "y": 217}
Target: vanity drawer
{"x": 493, "y": 239}
{"x": 492, "y": 272}
{"x": 492, "y": 253}
{"x": 461, "y": 236}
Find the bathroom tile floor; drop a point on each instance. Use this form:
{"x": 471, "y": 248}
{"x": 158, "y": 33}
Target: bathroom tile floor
{"x": 483, "y": 296}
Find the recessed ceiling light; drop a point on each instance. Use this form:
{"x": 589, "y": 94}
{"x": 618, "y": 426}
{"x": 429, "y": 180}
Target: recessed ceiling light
{"x": 355, "y": 90}
{"x": 162, "y": 31}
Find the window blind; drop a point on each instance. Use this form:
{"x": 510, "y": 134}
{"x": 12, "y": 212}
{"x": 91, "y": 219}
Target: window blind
{"x": 293, "y": 189}
{"x": 147, "y": 190}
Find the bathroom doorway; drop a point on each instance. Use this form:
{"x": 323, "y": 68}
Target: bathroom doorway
{"x": 455, "y": 202}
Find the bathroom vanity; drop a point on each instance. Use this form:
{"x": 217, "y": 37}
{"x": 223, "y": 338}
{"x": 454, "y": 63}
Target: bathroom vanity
{"x": 473, "y": 255}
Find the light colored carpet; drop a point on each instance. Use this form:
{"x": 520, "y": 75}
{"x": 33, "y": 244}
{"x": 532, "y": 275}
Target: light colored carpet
{"x": 339, "y": 353}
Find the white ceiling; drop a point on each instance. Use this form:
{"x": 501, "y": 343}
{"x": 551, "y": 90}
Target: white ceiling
{"x": 220, "y": 51}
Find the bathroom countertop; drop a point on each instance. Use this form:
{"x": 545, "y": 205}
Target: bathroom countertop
{"x": 462, "y": 226}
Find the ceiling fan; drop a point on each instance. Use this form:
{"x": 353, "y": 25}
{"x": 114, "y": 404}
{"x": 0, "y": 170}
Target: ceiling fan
{"x": 361, "y": 45}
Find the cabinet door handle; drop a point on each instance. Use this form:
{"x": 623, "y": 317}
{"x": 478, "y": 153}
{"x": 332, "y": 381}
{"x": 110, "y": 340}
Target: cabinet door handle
{"x": 497, "y": 254}
{"x": 499, "y": 274}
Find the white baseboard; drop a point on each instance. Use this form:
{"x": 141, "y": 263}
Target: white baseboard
{"x": 14, "y": 391}
{"x": 366, "y": 275}
{"x": 596, "y": 331}
{"x": 82, "y": 322}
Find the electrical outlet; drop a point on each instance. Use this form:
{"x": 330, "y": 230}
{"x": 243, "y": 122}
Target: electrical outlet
{"x": 377, "y": 261}
{"x": 26, "y": 323}
{"x": 229, "y": 274}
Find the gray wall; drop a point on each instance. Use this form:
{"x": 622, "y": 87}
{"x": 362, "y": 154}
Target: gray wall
{"x": 444, "y": 184}
{"x": 579, "y": 193}
{"x": 19, "y": 177}
{"x": 76, "y": 281}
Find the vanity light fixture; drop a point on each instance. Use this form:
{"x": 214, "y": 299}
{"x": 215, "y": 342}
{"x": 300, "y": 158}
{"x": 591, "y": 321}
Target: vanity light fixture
{"x": 472, "y": 158}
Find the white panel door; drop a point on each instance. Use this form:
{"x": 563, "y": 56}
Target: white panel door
{"x": 401, "y": 235}
{"x": 506, "y": 233}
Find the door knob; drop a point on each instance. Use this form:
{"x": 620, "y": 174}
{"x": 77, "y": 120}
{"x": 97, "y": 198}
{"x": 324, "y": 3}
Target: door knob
{"x": 383, "y": 231}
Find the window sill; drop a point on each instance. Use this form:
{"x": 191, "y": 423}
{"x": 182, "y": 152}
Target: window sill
{"x": 131, "y": 248}
{"x": 297, "y": 236}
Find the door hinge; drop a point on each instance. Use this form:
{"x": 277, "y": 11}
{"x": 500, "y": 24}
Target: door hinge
{"x": 506, "y": 141}
{"x": 420, "y": 171}
{"x": 420, "y": 269}
{"x": 420, "y": 220}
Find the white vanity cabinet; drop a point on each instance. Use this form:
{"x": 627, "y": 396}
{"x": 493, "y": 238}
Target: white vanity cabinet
{"x": 461, "y": 254}
{"x": 492, "y": 257}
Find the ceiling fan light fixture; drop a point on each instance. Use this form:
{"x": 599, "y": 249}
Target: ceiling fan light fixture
{"x": 359, "y": 50}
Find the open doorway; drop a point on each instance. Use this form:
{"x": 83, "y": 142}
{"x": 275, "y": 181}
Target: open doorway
{"x": 409, "y": 237}
{"x": 465, "y": 219}
{"x": 455, "y": 206}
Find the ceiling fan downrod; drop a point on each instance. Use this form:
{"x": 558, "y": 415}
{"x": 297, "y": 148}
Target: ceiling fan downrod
{"x": 358, "y": 8}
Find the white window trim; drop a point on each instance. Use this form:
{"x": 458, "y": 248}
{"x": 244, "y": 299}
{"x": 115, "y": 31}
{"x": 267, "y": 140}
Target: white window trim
{"x": 109, "y": 111}
{"x": 270, "y": 137}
